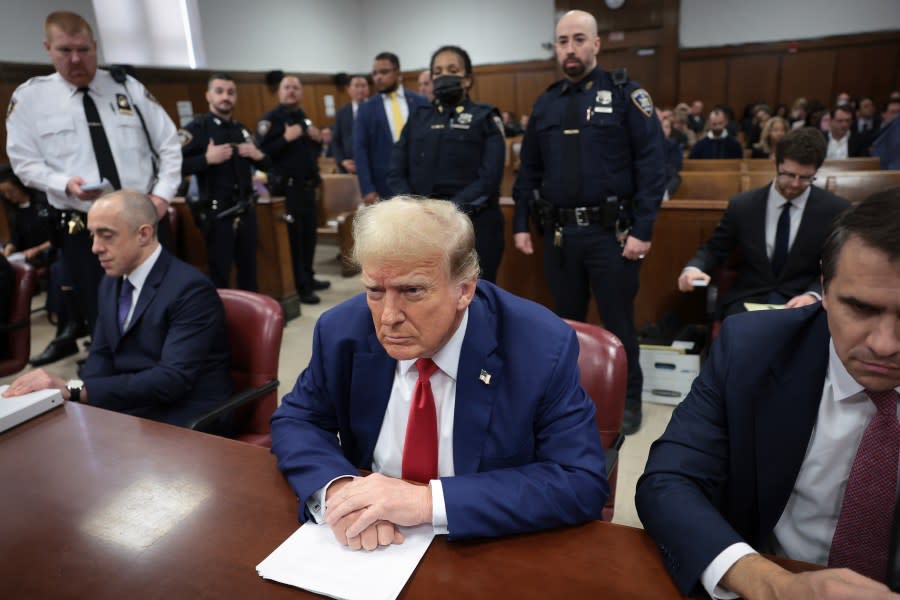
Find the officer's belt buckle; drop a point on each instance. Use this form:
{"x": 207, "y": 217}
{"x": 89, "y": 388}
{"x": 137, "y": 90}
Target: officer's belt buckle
{"x": 582, "y": 218}
{"x": 74, "y": 225}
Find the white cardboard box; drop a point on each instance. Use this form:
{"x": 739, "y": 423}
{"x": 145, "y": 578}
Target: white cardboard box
{"x": 668, "y": 374}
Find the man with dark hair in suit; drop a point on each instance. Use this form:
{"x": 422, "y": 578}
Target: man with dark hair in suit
{"x": 718, "y": 142}
{"x": 779, "y": 230}
{"x": 788, "y": 441}
{"x": 435, "y": 377}
{"x": 378, "y": 125}
{"x": 160, "y": 349}
{"x": 843, "y": 142}
{"x": 358, "y": 90}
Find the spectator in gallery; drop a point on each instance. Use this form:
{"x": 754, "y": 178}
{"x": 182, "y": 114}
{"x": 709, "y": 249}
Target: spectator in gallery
{"x": 717, "y": 143}
{"x": 772, "y": 132}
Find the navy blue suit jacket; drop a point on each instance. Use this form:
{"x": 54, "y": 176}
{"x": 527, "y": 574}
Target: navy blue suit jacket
{"x": 373, "y": 142}
{"x": 172, "y": 362}
{"x": 342, "y": 146}
{"x": 526, "y": 449}
{"x": 725, "y": 467}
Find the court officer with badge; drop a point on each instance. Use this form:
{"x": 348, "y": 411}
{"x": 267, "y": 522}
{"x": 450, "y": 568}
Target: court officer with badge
{"x": 453, "y": 150}
{"x": 592, "y": 176}
{"x": 82, "y": 132}
{"x": 221, "y": 152}
{"x": 287, "y": 136}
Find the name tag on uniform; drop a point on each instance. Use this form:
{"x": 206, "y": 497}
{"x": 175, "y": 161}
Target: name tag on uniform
{"x": 438, "y": 126}
{"x": 603, "y": 109}
{"x": 571, "y": 131}
{"x": 459, "y": 126}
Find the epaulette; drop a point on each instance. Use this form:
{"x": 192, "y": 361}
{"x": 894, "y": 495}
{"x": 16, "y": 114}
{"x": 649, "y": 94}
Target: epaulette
{"x": 620, "y": 76}
{"x": 556, "y": 84}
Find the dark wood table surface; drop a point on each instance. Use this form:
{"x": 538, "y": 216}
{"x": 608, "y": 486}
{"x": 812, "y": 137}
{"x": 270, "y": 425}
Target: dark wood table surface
{"x": 95, "y": 504}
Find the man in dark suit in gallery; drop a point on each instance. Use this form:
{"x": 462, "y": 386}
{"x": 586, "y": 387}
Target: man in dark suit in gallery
{"x": 160, "y": 349}
{"x": 718, "y": 142}
{"x": 843, "y": 141}
{"x": 778, "y": 229}
{"x": 378, "y": 125}
{"x": 788, "y": 441}
{"x": 495, "y": 422}
{"x": 358, "y": 90}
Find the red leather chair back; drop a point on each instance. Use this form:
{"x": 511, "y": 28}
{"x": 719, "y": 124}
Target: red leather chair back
{"x": 255, "y": 324}
{"x": 604, "y": 376}
{"x": 17, "y": 349}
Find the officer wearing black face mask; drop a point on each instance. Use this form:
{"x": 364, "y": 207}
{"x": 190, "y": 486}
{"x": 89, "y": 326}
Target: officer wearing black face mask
{"x": 454, "y": 150}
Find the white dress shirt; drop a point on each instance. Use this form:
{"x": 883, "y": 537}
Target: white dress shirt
{"x": 388, "y": 454}
{"x": 838, "y": 148}
{"x": 396, "y": 128}
{"x": 137, "y": 278}
{"x": 49, "y": 142}
{"x": 774, "y": 203}
{"x": 810, "y": 517}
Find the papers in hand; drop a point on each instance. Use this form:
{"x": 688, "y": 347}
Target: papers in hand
{"x": 759, "y": 306}
{"x": 90, "y": 187}
{"x": 313, "y": 560}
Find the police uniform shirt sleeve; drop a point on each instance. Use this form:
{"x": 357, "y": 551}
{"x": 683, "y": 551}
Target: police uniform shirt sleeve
{"x": 164, "y": 138}
{"x": 648, "y": 155}
{"x": 531, "y": 169}
{"x": 270, "y": 134}
{"x": 31, "y": 126}
{"x": 193, "y": 150}
{"x": 493, "y": 155}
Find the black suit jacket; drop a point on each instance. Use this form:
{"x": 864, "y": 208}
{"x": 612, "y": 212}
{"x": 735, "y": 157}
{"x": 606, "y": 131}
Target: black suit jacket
{"x": 858, "y": 144}
{"x": 744, "y": 226}
{"x": 342, "y": 144}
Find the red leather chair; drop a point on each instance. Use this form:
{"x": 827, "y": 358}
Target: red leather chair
{"x": 14, "y": 356}
{"x": 604, "y": 376}
{"x": 255, "y": 324}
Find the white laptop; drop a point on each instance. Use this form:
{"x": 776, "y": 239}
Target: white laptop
{"x": 19, "y": 409}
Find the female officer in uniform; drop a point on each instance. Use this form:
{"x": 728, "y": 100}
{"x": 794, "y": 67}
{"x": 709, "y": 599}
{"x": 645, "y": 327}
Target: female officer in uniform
{"x": 454, "y": 150}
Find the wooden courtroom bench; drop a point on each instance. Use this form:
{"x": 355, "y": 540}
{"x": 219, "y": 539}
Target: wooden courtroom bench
{"x": 709, "y": 185}
{"x": 327, "y": 165}
{"x": 338, "y": 199}
{"x": 856, "y": 186}
{"x": 865, "y": 163}
{"x": 711, "y": 164}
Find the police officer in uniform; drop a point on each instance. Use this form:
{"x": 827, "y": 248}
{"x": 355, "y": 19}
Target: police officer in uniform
{"x": 453, "y": 150}
{"x": 287, "y": 136}
{"x": 221, "y": 152}
{"x": 69, "y": 131}
{"x": 592, "y": 175}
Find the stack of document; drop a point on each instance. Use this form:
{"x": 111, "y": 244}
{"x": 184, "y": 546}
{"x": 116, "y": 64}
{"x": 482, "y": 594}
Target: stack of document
{"x": 313, "y": 560}
{"x": 18, "y": 409}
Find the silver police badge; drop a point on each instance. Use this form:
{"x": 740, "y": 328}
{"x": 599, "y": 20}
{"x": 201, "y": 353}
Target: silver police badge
{"x": 464, "y": 118}
{"x": 263, "y": 127}
{"x": 642, "y": 100}
{"x": 604, "y": 98}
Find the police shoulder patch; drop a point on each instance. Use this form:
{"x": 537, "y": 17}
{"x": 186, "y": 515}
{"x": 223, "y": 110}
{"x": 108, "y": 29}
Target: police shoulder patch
{"x": 642, "y": 100}
{"x": 10, "y": 108}
{"x": 263, "y": 127}
{"x": 499, "y": 123}
{"x": 185, "y": 137}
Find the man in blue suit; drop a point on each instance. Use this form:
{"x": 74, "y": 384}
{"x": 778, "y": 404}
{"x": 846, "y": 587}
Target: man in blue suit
{"x": 358, "y": 90}
{"x": 379, "y": 121}
{"x": 160, "y": 349}
{"x": 788, "y": 442}
{"x": 497, "y": 425}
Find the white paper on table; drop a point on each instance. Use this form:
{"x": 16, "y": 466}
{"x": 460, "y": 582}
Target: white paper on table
{"x": 311, "y": 559}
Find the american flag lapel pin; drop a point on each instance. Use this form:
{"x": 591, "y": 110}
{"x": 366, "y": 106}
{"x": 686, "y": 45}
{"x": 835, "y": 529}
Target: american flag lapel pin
{"x": 485, "y": 377}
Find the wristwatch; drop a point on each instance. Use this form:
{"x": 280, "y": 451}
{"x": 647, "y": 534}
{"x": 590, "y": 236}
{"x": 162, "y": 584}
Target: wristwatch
{"x": 75, "y": 386}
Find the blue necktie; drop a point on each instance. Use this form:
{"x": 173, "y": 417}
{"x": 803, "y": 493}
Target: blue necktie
{"x": 124, "y": 302}
{"x": 782, "y": 235}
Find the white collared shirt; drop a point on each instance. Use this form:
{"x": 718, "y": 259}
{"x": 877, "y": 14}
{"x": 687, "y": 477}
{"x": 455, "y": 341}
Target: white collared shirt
{"x": 774, "y": 203}
{"x": 396, "y": 128}
{"x": 355, "y": 107}
{"x": 137, "y": 278}
{"x": 387, "y": 457}
{"x": 838, "y": 148}
{"x": 807, "y": 525}
{"x": 713, "y": 136}
{"x": 49, "y": 142}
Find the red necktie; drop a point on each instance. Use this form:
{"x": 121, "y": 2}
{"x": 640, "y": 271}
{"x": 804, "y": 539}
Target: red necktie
{"x": 863, "y": 532}
{"x": 420, "y": 449}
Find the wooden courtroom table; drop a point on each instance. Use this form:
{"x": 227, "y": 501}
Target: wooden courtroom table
{"x": 97, "y": 504}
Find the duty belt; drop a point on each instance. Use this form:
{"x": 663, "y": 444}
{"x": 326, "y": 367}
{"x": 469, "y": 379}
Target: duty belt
{"x": 72, "y": 221}
{"x": 584, "y": 216}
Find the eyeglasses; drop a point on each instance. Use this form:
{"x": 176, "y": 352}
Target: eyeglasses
{"x": 804, "y": 179}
